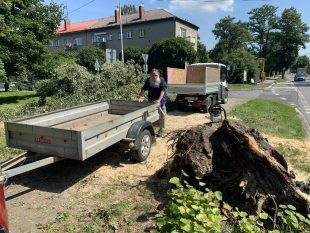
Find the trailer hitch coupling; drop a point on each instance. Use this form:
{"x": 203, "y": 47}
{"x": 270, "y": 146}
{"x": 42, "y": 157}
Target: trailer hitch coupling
{"x": 217, "y": 113}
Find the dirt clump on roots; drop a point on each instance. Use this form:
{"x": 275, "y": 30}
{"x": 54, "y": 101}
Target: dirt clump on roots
{"x": 237, "y": 161}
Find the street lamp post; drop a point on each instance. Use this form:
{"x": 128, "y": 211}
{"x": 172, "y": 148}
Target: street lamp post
{"x": 121, "y": 28}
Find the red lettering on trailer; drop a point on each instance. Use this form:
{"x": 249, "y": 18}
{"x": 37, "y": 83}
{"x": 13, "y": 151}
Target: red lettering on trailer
{"x": 43, "y": 140}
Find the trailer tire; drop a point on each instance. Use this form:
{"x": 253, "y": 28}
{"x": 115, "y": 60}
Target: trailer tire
{"x": 143, "y": 146}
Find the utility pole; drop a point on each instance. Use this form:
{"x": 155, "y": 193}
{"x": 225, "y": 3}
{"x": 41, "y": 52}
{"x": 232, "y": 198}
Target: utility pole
{"x": 121, "y": 28}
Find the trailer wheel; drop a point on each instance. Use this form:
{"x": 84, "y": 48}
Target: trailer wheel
{"x": 143, "y": 144}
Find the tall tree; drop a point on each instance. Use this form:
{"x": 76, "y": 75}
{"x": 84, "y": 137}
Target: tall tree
{"x": 262, "y": 23}
{"x": 231, "y": 34}
{"x": 202, "y": 53}
{"x": 129, "y": 9}
{"x": 28, "y": 26}
{"x": 292, "y": 36}
{"x": 232, "y": 48}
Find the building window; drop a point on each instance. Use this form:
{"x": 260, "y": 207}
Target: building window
{"x": 129, "y": 35}
{"x": 119, "y": 35}
{"x": 142, "y": 33}
{"x": 78, "y": 41}
{"x": 98, "y": 38}
{"x": 110, "y": 37}
{"x": 56, "y": 43}
{"x": 183, "y": 32}
{"x": 67, "y": 42}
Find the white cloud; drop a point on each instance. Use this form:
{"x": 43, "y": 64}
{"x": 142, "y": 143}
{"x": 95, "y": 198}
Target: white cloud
{"x": 192, "y": 6}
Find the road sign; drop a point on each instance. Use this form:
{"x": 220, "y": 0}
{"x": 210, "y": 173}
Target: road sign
{"x": 145, "y": 57}
{"x": 110, "y": 55}
{"x": 97, "y": 65}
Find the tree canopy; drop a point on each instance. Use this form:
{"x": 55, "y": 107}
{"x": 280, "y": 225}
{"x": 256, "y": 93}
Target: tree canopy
{"x": 172, "y": 52}
{"x": 134, "y": 54}
{"x": 263, "y": 21}
{"x": 129, "y": 9}
{"x": 26, "y": 28}
{"x": 202, "y": 53}
{"x": 292, "y": 36}
{"x": 232, "y": 48}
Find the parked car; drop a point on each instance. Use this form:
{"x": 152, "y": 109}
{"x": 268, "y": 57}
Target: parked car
{"x": 299, "y": 78}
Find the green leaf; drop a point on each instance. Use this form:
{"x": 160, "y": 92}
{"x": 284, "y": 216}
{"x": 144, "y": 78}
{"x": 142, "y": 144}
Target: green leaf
{"x": 202, "y": 184}
{"x": 227, "y": 207}
{"x": 263, "y": 216}
{"x": 291, "y": 207}
{"x": 185, "y": 174}
{"x": 175, "y": 181}
{"x": 301, "y": 217}
{"x": 218, "y": 195}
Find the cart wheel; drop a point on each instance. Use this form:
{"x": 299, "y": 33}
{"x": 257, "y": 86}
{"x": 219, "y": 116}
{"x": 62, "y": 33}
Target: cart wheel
{"x": 144, "y": 144}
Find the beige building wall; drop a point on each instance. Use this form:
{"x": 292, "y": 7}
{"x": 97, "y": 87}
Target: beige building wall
{"x": 153, "y": 31}
{"x": 191, "y": 33}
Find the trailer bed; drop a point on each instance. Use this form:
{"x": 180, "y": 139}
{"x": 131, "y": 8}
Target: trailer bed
{"x": 79, "y": 132}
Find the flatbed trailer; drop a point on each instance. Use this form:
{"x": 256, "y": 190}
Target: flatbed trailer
{"x": 81, "y": 132}
{"x": 78, "y": 133}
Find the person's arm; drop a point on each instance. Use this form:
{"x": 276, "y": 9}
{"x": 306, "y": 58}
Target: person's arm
{"x": 163, "y": 87}
{"x": 143, "y": 89}
{"x": 162, "y": 93}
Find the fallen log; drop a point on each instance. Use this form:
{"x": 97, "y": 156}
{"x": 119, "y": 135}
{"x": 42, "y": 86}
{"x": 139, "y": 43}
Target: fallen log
{"x": 239, "y": 162}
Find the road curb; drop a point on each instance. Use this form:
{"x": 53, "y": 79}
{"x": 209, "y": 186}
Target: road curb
{"x": 304, "y": 121}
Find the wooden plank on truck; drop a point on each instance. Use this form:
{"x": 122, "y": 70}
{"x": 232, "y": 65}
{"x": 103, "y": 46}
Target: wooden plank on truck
{"x": 213, "y": 75}
{"x": 176, "y": 76}
{"x": 196, "y": 74}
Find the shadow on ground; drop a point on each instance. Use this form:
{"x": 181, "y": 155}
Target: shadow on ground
{"x": 60, "y": 176}
{"x": 14, "y": 99}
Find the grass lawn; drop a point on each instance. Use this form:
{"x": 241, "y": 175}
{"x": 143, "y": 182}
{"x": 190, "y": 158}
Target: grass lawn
{"x": 238, "y": 86}
{"x": 271, "y": 117}
{"x": 13, "y": 99}
{"x": 11, "y": 102}
{"x": 298, "y": 158}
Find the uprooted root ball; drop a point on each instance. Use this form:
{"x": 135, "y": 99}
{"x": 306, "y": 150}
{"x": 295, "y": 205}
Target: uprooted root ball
{"x": 240, "y": 163}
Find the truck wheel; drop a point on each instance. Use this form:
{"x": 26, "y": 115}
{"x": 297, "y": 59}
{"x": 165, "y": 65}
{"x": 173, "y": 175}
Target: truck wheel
{"x": 143, "y": 145}
{"x": 209, "y": 102}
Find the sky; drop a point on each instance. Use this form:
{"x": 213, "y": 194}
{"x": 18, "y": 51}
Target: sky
{"x": 203, "y": 13}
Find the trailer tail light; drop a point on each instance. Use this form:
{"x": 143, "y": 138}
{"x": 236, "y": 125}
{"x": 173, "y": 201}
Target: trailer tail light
{"x": 3, "y": 212}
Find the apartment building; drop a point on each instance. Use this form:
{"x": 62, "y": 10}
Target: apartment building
{"x": 141, "y": 29}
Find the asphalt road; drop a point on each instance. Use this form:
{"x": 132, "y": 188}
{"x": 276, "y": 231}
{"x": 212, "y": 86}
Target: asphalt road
{"x": 294, "y": 93}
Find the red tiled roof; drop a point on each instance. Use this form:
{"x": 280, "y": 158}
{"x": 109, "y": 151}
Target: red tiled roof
{"x": 126, "y": 19}
{"x": 75, "y": 27}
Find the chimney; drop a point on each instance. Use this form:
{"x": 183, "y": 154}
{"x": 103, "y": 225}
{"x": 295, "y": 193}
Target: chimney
{"x": 67, "y": 24}
{"x": 117, "y": 15}
{"x": 141, "y": 11}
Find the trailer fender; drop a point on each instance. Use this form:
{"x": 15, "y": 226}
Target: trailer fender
{"x": 137, "y": 128}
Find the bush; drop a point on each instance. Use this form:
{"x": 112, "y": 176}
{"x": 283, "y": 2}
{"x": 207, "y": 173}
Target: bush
{"x": 191, "y": 210}
{"x": 2, "y": 72}
{"x": 238, "y": 60}
{"x": 50, "y": 61}
{"x": 134, "y": 54}
{"x": 68, "y": 79}
{"x": 115, "y": 81}
{"x": 88, "y": 55}
{"x": 173, "y": 52}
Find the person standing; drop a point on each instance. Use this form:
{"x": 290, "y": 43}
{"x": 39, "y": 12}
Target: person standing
{"x": 156, "y": 87}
